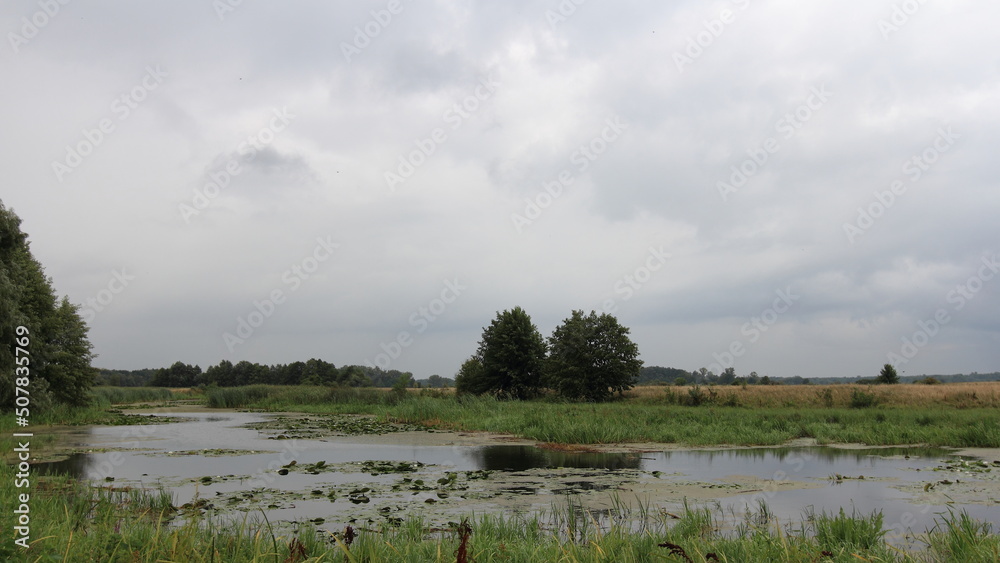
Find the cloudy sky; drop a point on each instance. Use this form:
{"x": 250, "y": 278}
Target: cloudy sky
{"x": 792, "y": 188}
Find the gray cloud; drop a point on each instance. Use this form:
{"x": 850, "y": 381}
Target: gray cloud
{"x": 655, "y": 185}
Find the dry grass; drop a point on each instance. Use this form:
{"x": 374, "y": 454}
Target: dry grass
{"x": 955, "y": 395}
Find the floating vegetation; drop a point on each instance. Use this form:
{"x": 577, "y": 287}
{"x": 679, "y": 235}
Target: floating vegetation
{"x": 969, "y": 466}
{"x": 380, "y": 467}
{"x": 209, "y": 479}
{"x": 316, "y": 426}
{"x": 216, "y": 452}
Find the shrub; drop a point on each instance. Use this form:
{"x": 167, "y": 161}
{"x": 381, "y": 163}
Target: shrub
{"x": 862, "y": 399}
{"x": 696, "y": 396}
{"x": 826, "y": 397}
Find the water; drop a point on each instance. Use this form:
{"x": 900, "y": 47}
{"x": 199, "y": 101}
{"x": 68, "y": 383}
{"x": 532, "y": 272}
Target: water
{"x": 792, "y": 481}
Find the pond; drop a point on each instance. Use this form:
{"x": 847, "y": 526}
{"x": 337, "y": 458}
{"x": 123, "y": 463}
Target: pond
{"x": 235, "y": 464}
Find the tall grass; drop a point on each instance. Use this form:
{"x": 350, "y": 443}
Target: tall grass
{"x": 634, "y": 420}
{"x": 280, "y": 397}
{"x": 104, "y": 396}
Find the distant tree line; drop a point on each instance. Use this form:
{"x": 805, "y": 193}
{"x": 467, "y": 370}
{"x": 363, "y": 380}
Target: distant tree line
{"x": 228, "y": 374}
{"x": 55, "y": 354}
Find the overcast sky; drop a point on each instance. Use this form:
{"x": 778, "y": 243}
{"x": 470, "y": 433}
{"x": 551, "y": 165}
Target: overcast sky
{"x": 792, "y": 188}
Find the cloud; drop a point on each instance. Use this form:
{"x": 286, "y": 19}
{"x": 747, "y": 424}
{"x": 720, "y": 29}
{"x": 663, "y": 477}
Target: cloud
{"x": 559, "y": 81}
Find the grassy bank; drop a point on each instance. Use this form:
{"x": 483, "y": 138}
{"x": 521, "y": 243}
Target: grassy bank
{"x": 72, "y": 521}
{"x": 103, "y": 409}
{"x": 661, "y": 415}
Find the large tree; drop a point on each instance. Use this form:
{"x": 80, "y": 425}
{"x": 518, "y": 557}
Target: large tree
{"x": 591, "y": 357}
{"x": 59, "y": 353}
{"x": 511, "y": 354}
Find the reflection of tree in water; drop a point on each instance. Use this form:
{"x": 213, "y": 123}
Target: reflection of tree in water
{"x": 75, "y": 466}
{"x": 513, "y": 458}
{"x": 595, "y": 460}
{"x": 520, "y": 458}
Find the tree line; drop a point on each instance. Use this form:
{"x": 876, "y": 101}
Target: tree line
{"x": 57, "y": 356}
{"x": 227, "y": 374}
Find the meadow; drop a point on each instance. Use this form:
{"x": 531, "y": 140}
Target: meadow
{"x": 958, "y": 415}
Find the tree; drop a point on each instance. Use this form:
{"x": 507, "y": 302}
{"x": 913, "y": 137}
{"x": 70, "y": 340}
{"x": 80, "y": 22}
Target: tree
{"x": 888, "y": 375}
{"x": 69, "y": 372}
{"x": 59, "y": 352}
{"x": 592, "y": 357}
{"x": 399, "y": 387}
{"x": 469, "y": 378}
{"x": 511, "y": 353}
{"x": 177, "y": 375}
{"x": 728, "y": 376}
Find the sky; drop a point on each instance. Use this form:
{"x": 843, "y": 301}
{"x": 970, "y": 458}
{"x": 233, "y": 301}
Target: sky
{"x": 791, "y": 188}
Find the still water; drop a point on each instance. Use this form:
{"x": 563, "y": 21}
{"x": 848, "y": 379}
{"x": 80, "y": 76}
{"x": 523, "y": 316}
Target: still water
{"x": 216, "y": 457}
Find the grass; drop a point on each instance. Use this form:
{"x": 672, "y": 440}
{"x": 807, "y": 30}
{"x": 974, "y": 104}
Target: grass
{"x": 105, "y": 396}
{"x": 958, "y": 415}
{"x": 278, "y": 397}
{"x": 72, "y": 521}
{"x": 655, "y": 417}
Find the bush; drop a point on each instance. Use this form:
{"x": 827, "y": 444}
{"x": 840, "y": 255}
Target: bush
{"x": 863, "y": 400}
{"x": 696, "y": 396}
{"x": 826, "y": 397}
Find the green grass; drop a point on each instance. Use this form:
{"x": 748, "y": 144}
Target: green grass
{"x": 279, "y": 397}
{"x": 637, "y": 421}
{"x": 103, "y": 396}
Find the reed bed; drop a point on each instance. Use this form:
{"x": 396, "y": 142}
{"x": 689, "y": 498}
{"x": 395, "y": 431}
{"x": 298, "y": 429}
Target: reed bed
{"x": 984, "y": 394}
{"x": 104, "y": 396}
{"x": 863, "y": 416}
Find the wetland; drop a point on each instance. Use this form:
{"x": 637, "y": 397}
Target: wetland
{"x": 315, "y": 479}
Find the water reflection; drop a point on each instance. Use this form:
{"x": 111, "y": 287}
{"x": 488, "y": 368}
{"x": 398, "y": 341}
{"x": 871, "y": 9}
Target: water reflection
{"x": 522, "y": 458}
{"x": 75, "y": 466}
{"x": 801, "y": 462}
